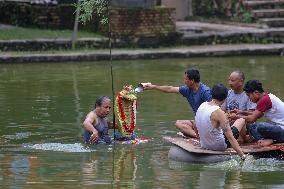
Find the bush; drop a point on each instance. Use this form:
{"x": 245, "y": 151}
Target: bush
{"x": 232, "y": 9}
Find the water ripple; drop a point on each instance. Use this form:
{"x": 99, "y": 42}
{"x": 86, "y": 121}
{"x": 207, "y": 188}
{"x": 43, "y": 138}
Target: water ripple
{"x": 249, "y": 165}
{"x": 18, "y": 136}
{"x": 77, "y": 147}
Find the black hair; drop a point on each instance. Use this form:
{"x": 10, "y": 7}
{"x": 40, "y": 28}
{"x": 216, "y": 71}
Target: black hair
{"x": 193, "y": 74}
{"x": 253, "y": 85}
{"x": 219, "y": 92}
{"x": 100, "y": 100}
{"x": 241, "y": 74}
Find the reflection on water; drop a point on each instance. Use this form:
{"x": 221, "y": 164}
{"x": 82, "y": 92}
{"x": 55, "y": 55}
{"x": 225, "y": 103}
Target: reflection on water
{"x": 43, "y": 105}
{"x": 125, "y": 167}
{"x": 76, "y": 98}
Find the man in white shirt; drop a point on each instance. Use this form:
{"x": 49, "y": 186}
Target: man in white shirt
{"x": 213, "y": 126}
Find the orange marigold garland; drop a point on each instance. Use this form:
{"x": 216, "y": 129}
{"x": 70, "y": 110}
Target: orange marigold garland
{"x": 123, "y": 117}
{"x": 126, "y": 110}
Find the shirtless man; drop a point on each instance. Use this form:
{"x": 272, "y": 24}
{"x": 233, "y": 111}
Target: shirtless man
{"x": 194, "y": 91}
{"x": 213, "y": 126}
{"x": 96, "y": 124}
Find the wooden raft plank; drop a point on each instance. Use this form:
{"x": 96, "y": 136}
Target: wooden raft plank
{"x": 193, "y": 145}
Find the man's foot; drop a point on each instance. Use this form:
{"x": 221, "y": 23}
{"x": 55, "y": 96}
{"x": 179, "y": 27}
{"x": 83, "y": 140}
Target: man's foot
{"x": 265, "y": 142}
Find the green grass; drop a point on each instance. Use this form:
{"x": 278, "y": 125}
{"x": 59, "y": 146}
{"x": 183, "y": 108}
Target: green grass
{"x": 32, "y": 33}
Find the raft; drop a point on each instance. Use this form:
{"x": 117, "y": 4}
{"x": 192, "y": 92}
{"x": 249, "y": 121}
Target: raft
{"x": 189, "y": 150}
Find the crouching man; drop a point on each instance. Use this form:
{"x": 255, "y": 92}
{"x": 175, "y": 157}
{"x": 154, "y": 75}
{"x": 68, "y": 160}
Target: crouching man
{"x": 213, "y": 126}
{"x": 269, "y": 106}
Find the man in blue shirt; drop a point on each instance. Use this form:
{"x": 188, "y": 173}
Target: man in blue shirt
{"x": 194, "y": 91}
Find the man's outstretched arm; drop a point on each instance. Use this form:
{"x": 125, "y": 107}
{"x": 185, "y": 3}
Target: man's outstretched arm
{"x": 164, "y": 88}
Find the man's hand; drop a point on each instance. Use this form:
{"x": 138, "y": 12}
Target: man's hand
{"x": 147, "y": 86}
{"x": 234, "y": 111}
{"x": 94, "y": 137}
{"x": 243, "y": 157}
{"x": 232, "y": 116}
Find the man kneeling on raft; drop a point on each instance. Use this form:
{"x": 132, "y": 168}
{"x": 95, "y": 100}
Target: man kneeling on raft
{"x": 213, "y": 126}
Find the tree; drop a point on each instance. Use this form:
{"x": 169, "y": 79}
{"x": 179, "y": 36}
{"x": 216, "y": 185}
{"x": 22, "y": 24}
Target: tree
{"x": 89, "y": 7}
{"x": 84, "y": 12}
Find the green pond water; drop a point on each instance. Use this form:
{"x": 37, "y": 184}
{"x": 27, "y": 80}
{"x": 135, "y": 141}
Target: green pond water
{"x": 43, "y": 106}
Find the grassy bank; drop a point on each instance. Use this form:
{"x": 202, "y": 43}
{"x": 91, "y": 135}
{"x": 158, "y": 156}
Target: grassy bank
{"x": 33, "y": 33}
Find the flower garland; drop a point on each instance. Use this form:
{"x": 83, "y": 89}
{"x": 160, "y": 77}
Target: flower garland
{"x": 122, "y": 116}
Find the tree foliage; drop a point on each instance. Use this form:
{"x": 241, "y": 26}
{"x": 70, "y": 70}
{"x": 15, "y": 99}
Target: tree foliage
{"x": 89, "y": 8}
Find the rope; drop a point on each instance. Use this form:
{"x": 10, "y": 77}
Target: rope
{"x": 110, "y": 62}
{"x": 112, "y": 86}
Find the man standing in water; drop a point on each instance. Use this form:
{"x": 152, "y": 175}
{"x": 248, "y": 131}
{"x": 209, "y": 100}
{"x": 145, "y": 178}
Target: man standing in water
{"x": 213, "y": 126}
{"x": 96, "y": 124}
{"x": 194, "y": 91}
